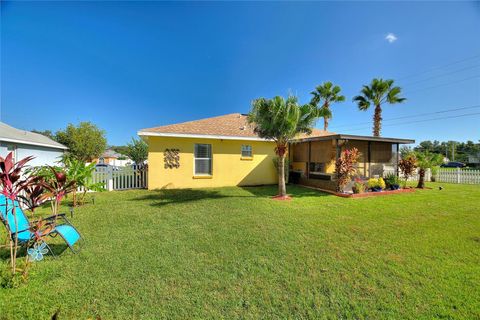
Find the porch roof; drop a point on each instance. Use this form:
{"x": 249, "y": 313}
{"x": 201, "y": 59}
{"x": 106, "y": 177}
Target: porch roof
{"x": 354, "y": 137}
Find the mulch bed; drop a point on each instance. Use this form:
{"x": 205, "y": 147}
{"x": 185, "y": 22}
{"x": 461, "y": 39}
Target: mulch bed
{"x": 365, "y": 194}
{"x": 282, "y": 198}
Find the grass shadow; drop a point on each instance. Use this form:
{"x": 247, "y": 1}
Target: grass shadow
{"x": 57, "y": 249}
{"x": 294, "y": 191}
{"x": 162, "y": 197}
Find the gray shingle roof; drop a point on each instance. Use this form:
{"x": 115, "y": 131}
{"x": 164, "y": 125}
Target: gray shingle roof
{"x": 11, "y": 134}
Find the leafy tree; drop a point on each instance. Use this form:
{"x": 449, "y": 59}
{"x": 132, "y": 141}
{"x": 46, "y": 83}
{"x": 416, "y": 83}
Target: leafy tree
{"x": 137, "y": 150}
{"x": 46, "y": 133}
{"x": 405, "y": 151}
{"x": 377, "y": 93}
{"x": 426, "y": 160}
{"x": 327, "y": 94}
{"x": 85, "y": 141}
{"x": 281, "y": 120}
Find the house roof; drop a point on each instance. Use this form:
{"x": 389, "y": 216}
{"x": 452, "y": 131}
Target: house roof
{"x": 110, "y": 153}
{"x": 230, "y": 126}
{"x": 11, "y": 134}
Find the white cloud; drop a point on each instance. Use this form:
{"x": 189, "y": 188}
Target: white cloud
{"x": 391, "y": 37}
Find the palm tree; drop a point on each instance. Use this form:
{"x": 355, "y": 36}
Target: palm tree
{"x": 328, "y": 93}
{"x": 281, "y": 120}
{"x": 379, "y": 92}
{"x": 426, "y": 160}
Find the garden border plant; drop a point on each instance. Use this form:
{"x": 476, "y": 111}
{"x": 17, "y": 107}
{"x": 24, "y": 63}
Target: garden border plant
{"x": 19, "y": 184}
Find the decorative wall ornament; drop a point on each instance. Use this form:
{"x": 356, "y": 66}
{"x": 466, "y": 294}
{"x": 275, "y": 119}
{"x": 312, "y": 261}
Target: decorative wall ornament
{"x": 171, "y": 158}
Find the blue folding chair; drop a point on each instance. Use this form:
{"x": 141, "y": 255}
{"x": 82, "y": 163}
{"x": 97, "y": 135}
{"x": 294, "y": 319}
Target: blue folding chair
{"x": 23, "y": 227}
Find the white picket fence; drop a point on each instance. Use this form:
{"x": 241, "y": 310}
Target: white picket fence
{"x": 414, "y": 177}
{"x": 455, "y": 175}
{"x": 458, "y": 175}
{"x": 121, "y": 178}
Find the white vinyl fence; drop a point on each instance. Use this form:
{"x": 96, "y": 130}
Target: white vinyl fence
{"x": 121, "y": 178}
{"x": 457, "y": 175}
{"x": 449, "y": 175}
{"x": 414, "y": 177}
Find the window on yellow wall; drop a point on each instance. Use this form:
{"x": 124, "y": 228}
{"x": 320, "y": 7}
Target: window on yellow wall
{"x": 247, "y": 151}
{"x": 203, "y": 159}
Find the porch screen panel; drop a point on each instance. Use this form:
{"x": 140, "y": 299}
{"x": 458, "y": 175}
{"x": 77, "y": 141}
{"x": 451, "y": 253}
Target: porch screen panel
{"x": 322, "y": 151}
{"x": 362, "y": 147}
{"x": 381, "y": 152}
{"x": 203, "y": 159}
{"x": 300, "y": 152}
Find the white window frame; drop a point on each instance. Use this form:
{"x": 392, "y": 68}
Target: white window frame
{"x": 246, "y": 148}
{"x": 195, "y": 160}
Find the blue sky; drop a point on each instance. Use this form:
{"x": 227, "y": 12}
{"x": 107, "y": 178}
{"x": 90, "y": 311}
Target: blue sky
{"x": 132, "y": 65}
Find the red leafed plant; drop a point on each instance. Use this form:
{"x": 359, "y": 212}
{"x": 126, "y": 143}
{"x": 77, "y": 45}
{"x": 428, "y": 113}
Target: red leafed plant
{"x": 32, "y": 190}
{"x": 57, "y": 187}
{"x": 13, "y": 183}
{"x": 345, "y": 167}
{"x": 407, "y": 167}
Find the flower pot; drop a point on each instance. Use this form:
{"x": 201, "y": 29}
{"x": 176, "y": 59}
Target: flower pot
{"x": 376, "y": 189}
{"x": 394, "y": 187}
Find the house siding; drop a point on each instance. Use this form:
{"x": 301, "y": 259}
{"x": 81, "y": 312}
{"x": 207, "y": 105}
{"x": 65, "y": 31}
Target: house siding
{"x": 228, "y": 167}
{"x": 42, "y": 155}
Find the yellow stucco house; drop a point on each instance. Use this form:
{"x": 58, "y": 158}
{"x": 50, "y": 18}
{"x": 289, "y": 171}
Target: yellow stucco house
{"x": 225, "y": 151}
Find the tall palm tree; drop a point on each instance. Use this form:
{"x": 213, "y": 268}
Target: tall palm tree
{"x": 281, "y": 120}
{"x": 328, "y": 93}
{"x": 378, "y": 92}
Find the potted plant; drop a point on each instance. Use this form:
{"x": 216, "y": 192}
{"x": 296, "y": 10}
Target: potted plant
{"x": 376, "y": 185}
{"x": 392, "y": 182}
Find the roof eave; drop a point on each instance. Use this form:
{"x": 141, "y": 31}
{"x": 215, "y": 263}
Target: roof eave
{"x": 199, "y": 136}
{"x": 26, "y": 142}
{"x": 355, "y": 137}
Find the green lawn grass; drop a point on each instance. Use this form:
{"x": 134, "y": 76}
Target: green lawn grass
{"x": 235, "y": 253}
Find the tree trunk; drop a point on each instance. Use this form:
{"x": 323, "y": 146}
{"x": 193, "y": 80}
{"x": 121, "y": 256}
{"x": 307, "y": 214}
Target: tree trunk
{"x": 325, "y": 118}
{"x": 377, "y": 121}
{"x": 421, "y": 178}
{"x": 282, "y": 189}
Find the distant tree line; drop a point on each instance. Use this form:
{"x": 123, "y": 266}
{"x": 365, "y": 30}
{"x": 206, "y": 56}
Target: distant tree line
{"x": 453, "y": 150}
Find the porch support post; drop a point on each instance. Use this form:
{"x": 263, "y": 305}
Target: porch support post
{"x": 398, "y": 158}
{"x": 338, "y": 150}
{"x": 369, "y": 158}
{"x": 309, "y": 158}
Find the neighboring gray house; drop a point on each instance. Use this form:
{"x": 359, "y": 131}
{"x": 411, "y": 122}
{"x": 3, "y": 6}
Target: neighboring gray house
{"x": 25, "y": 143}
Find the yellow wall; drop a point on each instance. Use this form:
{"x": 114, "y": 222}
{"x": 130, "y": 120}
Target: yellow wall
{"x": 228, "y": 169}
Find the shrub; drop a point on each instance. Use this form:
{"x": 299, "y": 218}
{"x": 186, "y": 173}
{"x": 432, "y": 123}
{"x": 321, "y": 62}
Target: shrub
{"x": 359, "y": 187}
{"x": 392, "y": 181}
{"x": 407, "y": 167}
{"x": 345, "y": 167}
{"x": 376, "y": 183}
